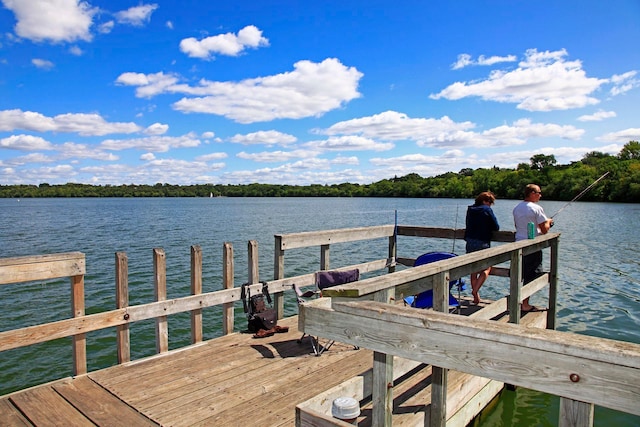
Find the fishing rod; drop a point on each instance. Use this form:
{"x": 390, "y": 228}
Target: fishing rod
{"x": 582, "y": 193}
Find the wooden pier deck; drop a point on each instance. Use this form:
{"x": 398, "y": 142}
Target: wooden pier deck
{"x": 230, "y": 380}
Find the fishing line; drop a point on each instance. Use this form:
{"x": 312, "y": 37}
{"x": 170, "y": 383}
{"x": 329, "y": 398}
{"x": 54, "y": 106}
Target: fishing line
{"x": 582, "y": 193}
{"x": 455, "y": 228}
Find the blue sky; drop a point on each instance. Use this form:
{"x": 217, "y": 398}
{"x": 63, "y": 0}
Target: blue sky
{"x": 299, "y": 92}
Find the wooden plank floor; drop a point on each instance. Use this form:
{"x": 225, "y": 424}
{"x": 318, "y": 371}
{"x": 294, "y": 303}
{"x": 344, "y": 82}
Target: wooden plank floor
{"x": 231, "y": 380}
{"x": 219, "y": 382}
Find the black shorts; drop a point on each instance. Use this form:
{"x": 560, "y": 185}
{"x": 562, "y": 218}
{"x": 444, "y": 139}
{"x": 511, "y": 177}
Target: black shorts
{"x": 532, "y": 267}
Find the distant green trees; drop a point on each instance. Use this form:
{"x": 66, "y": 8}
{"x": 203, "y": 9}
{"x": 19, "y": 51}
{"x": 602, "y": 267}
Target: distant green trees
{"x": 560, "y": 182}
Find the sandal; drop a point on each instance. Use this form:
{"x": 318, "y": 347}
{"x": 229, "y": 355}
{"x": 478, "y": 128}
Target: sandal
{"x": 263, "y": 333}
{"x": 281, "y": 329}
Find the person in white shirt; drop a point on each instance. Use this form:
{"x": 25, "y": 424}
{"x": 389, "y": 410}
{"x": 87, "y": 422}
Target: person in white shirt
{"x": 525, "y": 212}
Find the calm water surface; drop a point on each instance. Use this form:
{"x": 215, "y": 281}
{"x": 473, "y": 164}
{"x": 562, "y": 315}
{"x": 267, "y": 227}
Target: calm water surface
{"x": 599, "y": 269}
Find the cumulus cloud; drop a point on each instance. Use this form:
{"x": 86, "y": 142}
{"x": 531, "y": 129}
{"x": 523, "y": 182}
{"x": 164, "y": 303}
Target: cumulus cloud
{"x": 278, "y": 156}
{"x": 445, "y": 133}
{"x": 157, "y": 129}
{"x": 155, "y": 144}
{"x": 54, "y": 21}
{"x": 621, "y": 136}
{"x": 137, "y": 15}
{"x": 228, "y": 44}
{"x": 395, "y": 126}
{"x": 310, "y": 90}
{"x": 598, "y": 116}
{"x": 83, "y": 124}
{"x": 268, "y": 138}
{"x": 543, "y": 81}
{"x": 25, "y": 143}
{"x": 349, "y": 143}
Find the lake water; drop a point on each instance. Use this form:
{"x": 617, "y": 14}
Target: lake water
{"x": 599, "y": 272}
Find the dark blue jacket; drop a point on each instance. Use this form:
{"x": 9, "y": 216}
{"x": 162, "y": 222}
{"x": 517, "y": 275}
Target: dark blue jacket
{"x": 481, "y": 222}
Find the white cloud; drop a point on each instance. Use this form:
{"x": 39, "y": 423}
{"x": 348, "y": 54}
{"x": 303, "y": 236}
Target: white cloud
{"x": 76, "y": 51}
{"x": 623, "y": 83}
{"x": 25, "y": 143}
{"x": 395, "y": 126}
{"x": 106, "y": 27}
{"x": 157, "y": 129}
{"x": 622, "y": 136}
{"x": 83, "y": 124}
{"x": 278, "y": 156}
{"x": 137, "y": 15}
{"x": 156, "y": 144}
{"x": 149, "y": 84}
{"x": 597, "y": 116}
{"x": 228, "y": 44}
{"x": 211, "y": 156}
{"x": 349, "y": 143}
{"x": 42, "y": 63}
{"x": 543, "y": 81}
{"x": 268, "y": 138}
{"x": 445, "y": 133}
{"x": 148, "y": 157}
{"x": 465, "y": 60}
{"x": 54, "y": 21}
{"x": 311, "y": 89}
{"x": 208, "y": 135}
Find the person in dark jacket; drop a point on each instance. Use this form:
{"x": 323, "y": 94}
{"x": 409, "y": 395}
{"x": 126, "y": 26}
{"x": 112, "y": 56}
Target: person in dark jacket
{"x": 480, "y": 223}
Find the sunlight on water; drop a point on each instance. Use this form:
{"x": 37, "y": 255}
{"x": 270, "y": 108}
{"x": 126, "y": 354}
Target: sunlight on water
{"x": 599, "y": 272}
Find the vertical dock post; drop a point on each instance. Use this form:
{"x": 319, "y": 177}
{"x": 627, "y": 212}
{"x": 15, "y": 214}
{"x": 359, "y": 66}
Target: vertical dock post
{"x": 122, "y": 301}
{"x": 79, "y": 340}
{"x": 515, "y": 286}
{"x": 160, "y": 275}
{"x": 196, "y": 289}
{"x": 227, "y": 283}
{"x": 278, "y": 273}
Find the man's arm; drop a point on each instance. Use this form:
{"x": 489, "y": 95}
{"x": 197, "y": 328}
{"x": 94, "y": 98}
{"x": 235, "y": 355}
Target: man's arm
{"x": 546, "y": 226}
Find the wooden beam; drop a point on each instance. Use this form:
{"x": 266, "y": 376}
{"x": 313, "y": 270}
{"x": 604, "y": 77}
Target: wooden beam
{"x": 41, "y": 267}
{"x": 578, "y": 367}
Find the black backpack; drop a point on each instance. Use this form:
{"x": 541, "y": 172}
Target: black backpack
{"x": 259, "y": 315}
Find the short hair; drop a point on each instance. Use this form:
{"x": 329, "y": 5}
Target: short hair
{"x": 530, "y": 188}
{"x": 485, "y": 196}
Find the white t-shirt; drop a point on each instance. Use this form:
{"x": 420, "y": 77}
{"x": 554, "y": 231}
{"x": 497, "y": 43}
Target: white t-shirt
{"x": 524, "y": 213}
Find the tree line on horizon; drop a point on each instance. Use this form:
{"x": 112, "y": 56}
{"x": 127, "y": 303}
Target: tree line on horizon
{"x": 559, "y": 182}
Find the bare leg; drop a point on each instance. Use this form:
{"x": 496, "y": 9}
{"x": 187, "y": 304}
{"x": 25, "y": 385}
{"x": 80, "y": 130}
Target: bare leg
{"x": 477, "y": 280}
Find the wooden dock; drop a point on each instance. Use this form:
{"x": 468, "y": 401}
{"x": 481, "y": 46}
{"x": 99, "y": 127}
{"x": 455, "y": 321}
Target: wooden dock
{"x": 411, "y": 368}
{"x": 230, "y": 380}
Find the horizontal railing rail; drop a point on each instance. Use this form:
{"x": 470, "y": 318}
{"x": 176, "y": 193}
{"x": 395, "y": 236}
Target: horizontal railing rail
{"x": 583, "y": 370}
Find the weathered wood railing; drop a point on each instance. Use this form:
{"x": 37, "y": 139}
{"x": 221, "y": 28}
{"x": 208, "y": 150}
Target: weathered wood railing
{"x": 582, "y": 370}
{"x": 32, "y": 268}
{"x": 72, "y": 265}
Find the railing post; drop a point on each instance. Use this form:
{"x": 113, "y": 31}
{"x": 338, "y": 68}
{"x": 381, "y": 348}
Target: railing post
{"x": 252, "y": 255}
{"x": 196, "y": 289}
{"x": 553, "y": 285}
{"x": 324, "y": 257}
{"x": 227, "y": 283}
{"x": 79, "y": 340}
{"x": 393, "y": 253}
{"x": 574, "y": 413}
{"x": 160, "y": 274}
{"x": 278, "y": 273}
{"x": 515, "y": 286}
{"x": 382, "y": 371}
{"x": 122, "y": 301}
{"x": 438, "y": 414}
